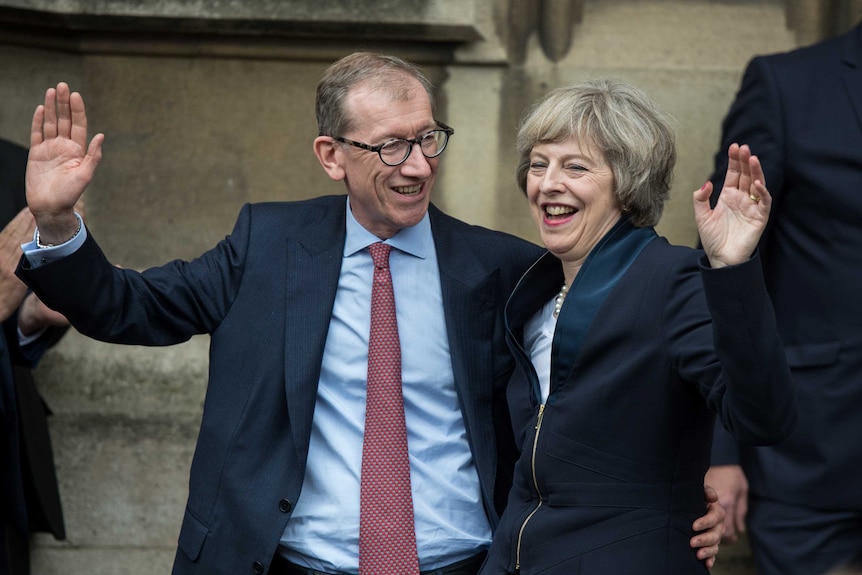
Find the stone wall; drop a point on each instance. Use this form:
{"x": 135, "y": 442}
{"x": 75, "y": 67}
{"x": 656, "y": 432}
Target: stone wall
{"x": 207, "y": 105}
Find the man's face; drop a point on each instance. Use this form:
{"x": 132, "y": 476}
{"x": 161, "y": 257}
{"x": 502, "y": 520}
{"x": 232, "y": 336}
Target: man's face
{"x": 386, "y": 199}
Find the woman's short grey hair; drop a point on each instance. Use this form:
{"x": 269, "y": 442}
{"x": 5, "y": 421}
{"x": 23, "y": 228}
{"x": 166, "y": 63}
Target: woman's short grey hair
{"x": 624, "y": 124}
{"x": 381, "y": 71}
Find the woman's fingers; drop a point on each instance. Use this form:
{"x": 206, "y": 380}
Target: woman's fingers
{"x": 731, "y": 177}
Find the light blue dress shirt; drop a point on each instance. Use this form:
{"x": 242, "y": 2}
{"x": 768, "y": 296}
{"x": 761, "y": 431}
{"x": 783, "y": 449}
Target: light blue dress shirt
{"x": 39, "y": 256}
{"x": 451, "y": 524}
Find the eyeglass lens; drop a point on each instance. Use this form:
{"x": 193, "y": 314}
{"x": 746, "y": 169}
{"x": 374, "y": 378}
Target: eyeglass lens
{"x": 432, "y": 145}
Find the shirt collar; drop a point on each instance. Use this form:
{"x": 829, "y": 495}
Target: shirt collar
{"x": 414, "y": 241}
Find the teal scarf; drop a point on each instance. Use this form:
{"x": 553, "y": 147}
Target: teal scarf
{"x": 604, "y": 267}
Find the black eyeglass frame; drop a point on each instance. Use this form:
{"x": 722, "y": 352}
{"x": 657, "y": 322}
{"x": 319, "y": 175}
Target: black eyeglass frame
{"x": 441, "y": 127}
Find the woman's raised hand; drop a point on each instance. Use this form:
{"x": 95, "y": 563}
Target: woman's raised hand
{"x": 730, "y": 232}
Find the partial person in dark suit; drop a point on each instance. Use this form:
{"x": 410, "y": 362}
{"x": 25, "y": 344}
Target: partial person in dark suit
{"x": 627, "y": 347}
{"x": 275, "y": 482}
{"x": 30, "y": 499}
{"x": 801, "y": 499}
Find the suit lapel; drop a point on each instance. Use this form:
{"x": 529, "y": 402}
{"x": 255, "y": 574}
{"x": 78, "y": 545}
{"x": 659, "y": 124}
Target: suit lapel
{"x": 853, "y": 75}
{"x": 471, "y": 306}
{"x": 313, "y": 264}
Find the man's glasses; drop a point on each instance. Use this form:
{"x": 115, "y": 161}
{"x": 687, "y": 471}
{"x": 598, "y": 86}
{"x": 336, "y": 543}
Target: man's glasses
{"x": 396, "y": 151}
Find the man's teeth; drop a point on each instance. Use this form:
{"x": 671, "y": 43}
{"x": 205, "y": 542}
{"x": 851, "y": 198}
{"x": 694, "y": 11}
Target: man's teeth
{"x": 558, "y": 210}
{"x": 408, "y": 190}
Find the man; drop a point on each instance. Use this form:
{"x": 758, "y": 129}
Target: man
{"x": 30, "y": 500}
{"x": 287, "y": 299}
{"x": 802, "y": 112}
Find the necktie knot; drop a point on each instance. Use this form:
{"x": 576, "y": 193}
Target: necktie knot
{"x": 380, "y": 254}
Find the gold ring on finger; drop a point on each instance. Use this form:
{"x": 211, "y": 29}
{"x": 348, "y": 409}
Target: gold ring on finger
{"x": 754, "y": 198}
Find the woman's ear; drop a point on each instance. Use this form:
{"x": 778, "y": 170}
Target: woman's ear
{"x": 328, "y": 154}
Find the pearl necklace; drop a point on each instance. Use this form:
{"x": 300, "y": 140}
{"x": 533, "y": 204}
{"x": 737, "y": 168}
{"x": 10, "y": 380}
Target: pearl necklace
{"x": 558, "y": 301}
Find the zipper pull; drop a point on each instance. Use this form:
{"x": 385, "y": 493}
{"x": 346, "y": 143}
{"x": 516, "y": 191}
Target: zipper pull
{"x": 539, "y": 418}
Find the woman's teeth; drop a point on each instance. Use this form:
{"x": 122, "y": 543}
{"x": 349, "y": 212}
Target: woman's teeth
{"x": 559, "y": 210}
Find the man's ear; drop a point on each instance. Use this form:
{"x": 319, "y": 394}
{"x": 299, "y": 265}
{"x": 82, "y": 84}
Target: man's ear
{"x": 327, "y": 151}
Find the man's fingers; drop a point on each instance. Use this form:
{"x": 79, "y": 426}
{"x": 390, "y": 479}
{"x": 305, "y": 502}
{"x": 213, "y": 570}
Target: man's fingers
{"x": 36, "y": 134}
{"x": 739, "y": 514}
{"x": 49, "y": 126}
{"x": 78, "y": 131}
{"x": 730, "y": 526}
{"x": 94, "y": 155}
{"x": 64, "y": 112}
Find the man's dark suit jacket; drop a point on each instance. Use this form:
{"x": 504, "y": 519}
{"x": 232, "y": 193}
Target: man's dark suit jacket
{"x": 801, "y": 113}
{"x": 265, "y": 294}
{"x": 30, "y": 498}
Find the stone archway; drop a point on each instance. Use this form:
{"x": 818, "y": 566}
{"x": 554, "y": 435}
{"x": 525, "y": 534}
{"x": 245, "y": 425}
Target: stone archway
{"x": 814, "y": 20}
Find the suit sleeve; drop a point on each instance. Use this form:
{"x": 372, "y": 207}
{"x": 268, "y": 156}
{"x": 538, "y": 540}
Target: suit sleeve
{"x": 754, "y": 118}
{"x": 722, "y": 335}
{"x": 756, "y": 392}
{"x": 160, "y": 306}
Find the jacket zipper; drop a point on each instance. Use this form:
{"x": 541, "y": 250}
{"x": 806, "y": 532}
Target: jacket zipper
{"x": 535, "y": 486}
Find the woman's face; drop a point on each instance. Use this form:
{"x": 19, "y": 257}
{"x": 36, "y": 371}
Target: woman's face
{"x": 570, "y": 189}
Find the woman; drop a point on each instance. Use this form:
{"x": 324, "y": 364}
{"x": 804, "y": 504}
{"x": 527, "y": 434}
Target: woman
{"x": 628, "y": 346}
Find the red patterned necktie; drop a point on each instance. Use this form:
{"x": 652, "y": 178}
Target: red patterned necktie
{"x": 387, "y": 538}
